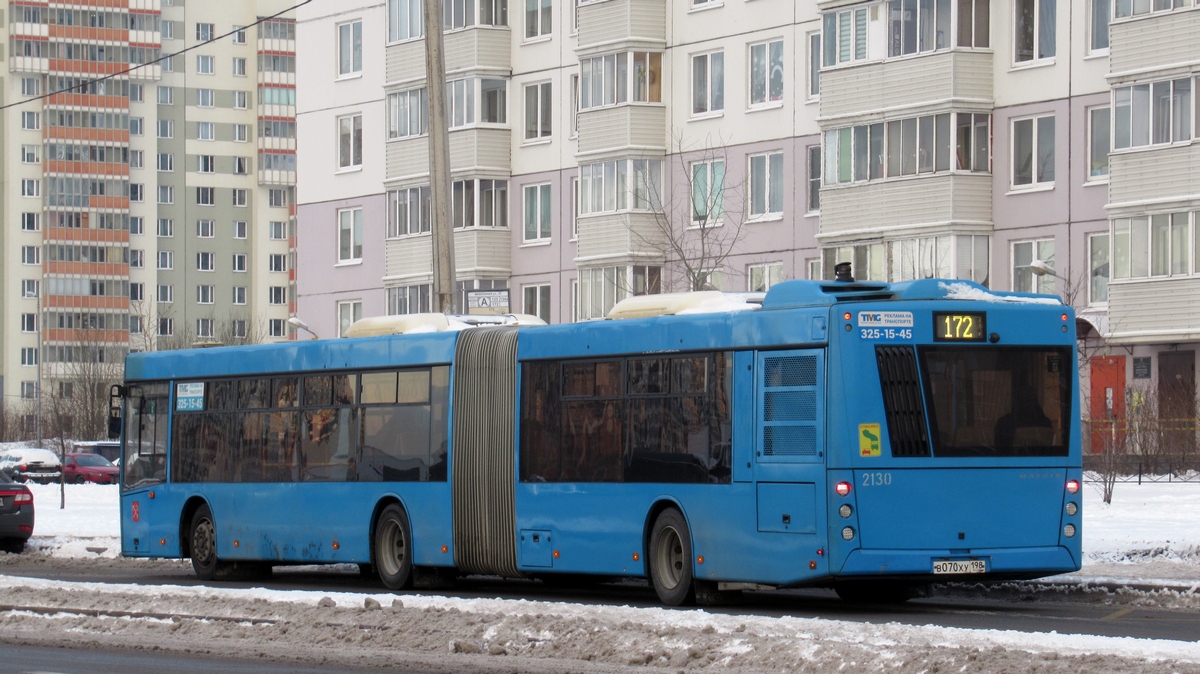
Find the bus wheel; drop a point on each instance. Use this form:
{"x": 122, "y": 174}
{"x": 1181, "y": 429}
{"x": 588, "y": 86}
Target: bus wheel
{"x": 393, "y": 552}
{"x": 671, "y": 558}
{"x": 874, "y": 592}
{"x": 204, "y": 544}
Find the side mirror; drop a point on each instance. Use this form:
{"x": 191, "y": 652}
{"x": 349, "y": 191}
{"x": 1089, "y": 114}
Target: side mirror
{"x": 114, "y": 428}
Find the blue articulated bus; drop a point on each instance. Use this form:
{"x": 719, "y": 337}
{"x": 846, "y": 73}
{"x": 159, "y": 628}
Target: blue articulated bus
{"x": 869, "y": 437}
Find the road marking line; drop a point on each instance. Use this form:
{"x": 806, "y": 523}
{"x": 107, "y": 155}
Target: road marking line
{"x": 1118, "y": 614}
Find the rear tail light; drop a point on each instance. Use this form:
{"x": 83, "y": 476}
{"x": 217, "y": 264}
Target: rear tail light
{"x": 1072, "y": 486}
{"x": 22, "y": 468}
{"x": 842, "y": 488}
{"x": 23, "y": 498}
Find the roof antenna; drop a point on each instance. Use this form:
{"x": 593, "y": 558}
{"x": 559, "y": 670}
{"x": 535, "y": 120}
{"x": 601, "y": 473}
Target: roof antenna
{"x": 841, "y": 273}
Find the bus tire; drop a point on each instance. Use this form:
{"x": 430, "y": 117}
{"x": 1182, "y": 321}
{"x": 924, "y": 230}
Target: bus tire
{"x": 392, "y": 549}
{"x": 671, "y": 558}
{"x": 204, "y": 544}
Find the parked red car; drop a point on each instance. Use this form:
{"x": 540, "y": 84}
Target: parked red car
{"x": 80, "y": 468}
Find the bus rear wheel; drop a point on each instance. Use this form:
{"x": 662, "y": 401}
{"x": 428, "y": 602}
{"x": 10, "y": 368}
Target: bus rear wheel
{"x": 671, "y": 558}
{"x": 204, "y": 544}
{"x": 393, "y": 549}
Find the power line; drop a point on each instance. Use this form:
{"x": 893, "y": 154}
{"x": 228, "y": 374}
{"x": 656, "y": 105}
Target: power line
{"x": 85, "y": 84}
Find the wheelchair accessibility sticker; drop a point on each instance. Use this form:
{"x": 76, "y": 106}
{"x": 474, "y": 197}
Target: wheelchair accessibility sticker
{"x": 868, "y": 440}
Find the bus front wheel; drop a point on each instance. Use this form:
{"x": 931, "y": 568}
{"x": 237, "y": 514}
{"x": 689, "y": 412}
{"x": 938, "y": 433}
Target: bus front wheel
{"x": 393, "y": 548}
{"x": 671, "y": 558}
{"x": 204, "y": 544}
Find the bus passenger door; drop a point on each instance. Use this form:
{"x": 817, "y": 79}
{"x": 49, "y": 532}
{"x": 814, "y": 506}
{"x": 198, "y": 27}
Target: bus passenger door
{"x": 789, "y": 456}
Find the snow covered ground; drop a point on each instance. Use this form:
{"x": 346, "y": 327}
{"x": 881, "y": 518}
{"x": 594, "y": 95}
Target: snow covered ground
{"x": 1149, "y": 535}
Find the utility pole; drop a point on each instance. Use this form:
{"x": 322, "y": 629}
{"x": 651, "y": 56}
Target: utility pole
{"x": 439, "y": 160}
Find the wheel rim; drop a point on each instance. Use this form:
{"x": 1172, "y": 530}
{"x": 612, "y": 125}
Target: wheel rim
{"x": 393, "y": 549}
{"x": 668, "y": 558}
{"x": 204, "y": 542}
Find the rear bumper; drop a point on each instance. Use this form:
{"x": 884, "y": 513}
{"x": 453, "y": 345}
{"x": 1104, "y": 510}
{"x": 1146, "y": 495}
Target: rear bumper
{"x": 1002, "y": 563}
{"x": 10, "y": 525}
{"x": 41, "y": 478}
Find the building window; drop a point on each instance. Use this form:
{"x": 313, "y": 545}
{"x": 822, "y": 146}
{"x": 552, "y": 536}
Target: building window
{"x": 766, "y": 73}
{"x": 917, "y": 27}
{"x": 348, "y": 313}
{"x": 206, "y": 131}
{"x": 845, "y": 36}
{"x": 413, "y": 299}
{"x": 974, "y": 23}
{"x": 239, "y": 34}
{"x": 1033, "y": 151}
{"x": 277, "y": 230}
{"x": 349, "y": 48}
{"x": 29, "y": 323}
{"x": 1152, "y": 113}
{"x": 538, "y": 18}
{"x": 205, "y": 229}
{"x": 204, "y": 294}
{"x": 408, "y": 113}
{"x": 1098, "y": 141}
{"x": 29, "y": 356}
{"x": 814, "y": 179}
{"x": 620, "y": 185}
{"x": 28, "y": 392}
{"x": 239, "y": 69}
{"x": 973, "y": 141}
{"x": 1101, "y": 14}
{"x": 350, "y": 235}
{"x": 206, "y": 163}
{"x": 240, "y": 102}
{"x": 166, "y": 327}
{"x": 766, "y": 184}
{"x": 708, "y": 83}
{"x": 277, "y": 295}
{"x": 602, "y": 287}
{"x": 1138, "y": 7}
{"x": 537, "y": 111}
{"x": 166, "y": 227}
{"x": 135, "y": 159}
{"x": 240, "y": 196}
{"x": 239, "y": 262}
{"x": 277, "y": 198}
{"x": 166, "y": 128}
{"x": 30, "y": 288}
{"x": 205, "y": 98}
{"x": 137, "y": 292}
{"x": 493, "y": 100}
{"x": 31, "y": 86}
{"x": 241, "y": 166}
{"x": 537, "y": 212}
{"x": 1024, "y": 254}
{"x": 137, "y": 258}
{"x": 278, "y": 262}
{"x": 760, "y": 277}
{"x": 239, "y": 229}
{"x": 205, "y": 261}
{"x": 135, "y": 126}
{"x": 814, "y": 66}
{"x": 1154, "y": 245}
{"x": 708, "y": 192}
{"x": 1098, "y": 270}
{"x": 206, "y": 65}
{"x": 239, "y": 294}
{"x": 241, "y": 133}
{"x": 537, "y": 301}
{"x": 166, "y": 293}
{"x": 31, "y": 222}
{"x": 31, "y": 255}
{"x": 461, "y": 99}
{"x": 166, "y": 259}
{"x": 408, "y": 211}
{"x": 206, "y": 196}
{"x": 31, "y": 154}
{"x": 1034, "y": 30}
{"x": 204, "y": 32}
{"x": 493, "y": 12}
{"x": 350, "y": 142}
{"x": 31, "y": 121}
{"x": 136, "y": 224}
{"x": 204, "y": 327}
{"x": 575, "y": 106}
{"x": 166, "y": 161}
{"x": 167, "y": 28}
{"x": 606, "y": 79}
{"x": 31, "y": 187}
{"x": 406, "y": 19}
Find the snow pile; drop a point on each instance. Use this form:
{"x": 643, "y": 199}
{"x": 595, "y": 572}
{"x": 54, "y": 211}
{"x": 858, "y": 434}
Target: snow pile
{"x": 964, "y": 291}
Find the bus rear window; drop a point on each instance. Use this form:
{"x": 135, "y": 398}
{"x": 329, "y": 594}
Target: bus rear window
{"x": 998, "y": 401}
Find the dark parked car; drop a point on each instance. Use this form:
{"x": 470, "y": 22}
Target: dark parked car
{"x": 16, "y": 515}
{"x": 81, "y": 467}
{"x": 31, "y": 463}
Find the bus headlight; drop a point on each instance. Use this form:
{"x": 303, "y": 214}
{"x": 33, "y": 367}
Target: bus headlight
{"x": 848, "y": 533}
{"x": 845, "y": 510}
{"x": 1072, "y": 508}
{"x": 1068, "y": 531}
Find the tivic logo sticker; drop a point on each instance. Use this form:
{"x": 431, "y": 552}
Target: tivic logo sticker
{"x": 868, "y": 440}
{"x": 885, "y": 319}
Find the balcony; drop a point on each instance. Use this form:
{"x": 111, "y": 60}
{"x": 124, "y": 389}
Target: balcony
{"x": 472, "y": 149}
{"x": 617, "y": 130}
{"x": 928, "y": 200}
{"x": 477, "y": 251}
{"x": 1155, "y": 311}
{"x": 962, "y": 77}
{"x": 470, "y": 48}
{"x": 619, "y": 238}
{"x": 1143, "y": 43}
{"x": 631, "y": 22}
{"x": 1154, "y": 175}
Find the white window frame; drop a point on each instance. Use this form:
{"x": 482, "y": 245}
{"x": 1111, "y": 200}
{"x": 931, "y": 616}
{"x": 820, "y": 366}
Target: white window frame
{"x": 239, "y": 67}
{"x": 165, "y": 294}
{"x": 1037, "y": 56}
{"x": 205, "y": 98}
{"x": 542, "y": 108}
{"x": 404, "y": 119}
{"x": 206, "y": 131}
{"x": 714, "y": 100}
{"x": 1039, "y": 284}
{"x": 767, "y": 213}
{"x": 166, "y": 259}
{"x": 206, "y": 261}
{"x": 349, "y": 49}
{"x": 1091, "y": 147}
{"x": 349, "y": 156}
{"x": 538, "y": 302}
{"x": 1035, "y": 145}
{"x": 348, "y": 312}
{"x": 206, "y": 65}
{"x": 239, "y": 295}
{"x": 712, "y": 200}
{"x": 238, "y": 262}
{"x": 542, "y": 212}
{"x": 349, "y": 240}
{"x": 165, "y": 162}
{"x": 769, "y": 100}
{"x": 205, "y": 294}
{"x": 538, "y": 20}
{"x": 31, "y": 154}
{"x": 205, "y": 229}
{"x": 206, "y": 196}
{"x": 406, "y": 20}
{"x": 1093, "y": 246}
{"x": 812, "y": 42}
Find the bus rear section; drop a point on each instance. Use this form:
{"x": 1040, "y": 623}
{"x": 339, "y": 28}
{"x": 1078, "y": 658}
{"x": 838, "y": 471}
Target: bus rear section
{"x": 954, "y": 446}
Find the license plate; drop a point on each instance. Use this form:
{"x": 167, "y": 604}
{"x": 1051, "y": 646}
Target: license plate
{"x": 960, "y": 566}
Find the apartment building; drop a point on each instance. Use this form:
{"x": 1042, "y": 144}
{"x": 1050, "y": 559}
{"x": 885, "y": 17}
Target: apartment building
{"x": 606, "y": 147}
{"x": 151, "y": 208}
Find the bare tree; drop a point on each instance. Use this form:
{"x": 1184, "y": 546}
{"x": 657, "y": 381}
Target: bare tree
{"x": 699, "y": 214}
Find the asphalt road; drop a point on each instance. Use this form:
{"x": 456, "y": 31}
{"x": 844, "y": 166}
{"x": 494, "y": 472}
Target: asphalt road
{"x": 1021, "y": 609}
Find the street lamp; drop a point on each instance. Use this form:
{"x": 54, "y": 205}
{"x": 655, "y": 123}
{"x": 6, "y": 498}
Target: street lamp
{"x": 297, "y": 323}
{"x": 1040, "y": 268}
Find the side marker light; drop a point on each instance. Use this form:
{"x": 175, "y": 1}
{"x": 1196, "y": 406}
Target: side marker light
{"x": 700, "y": 559}
{"x": 636, "y": 557}
{"x": 445, "y": 549}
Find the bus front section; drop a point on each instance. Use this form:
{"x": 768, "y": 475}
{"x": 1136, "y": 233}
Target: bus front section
{"x": 954, "y": 444}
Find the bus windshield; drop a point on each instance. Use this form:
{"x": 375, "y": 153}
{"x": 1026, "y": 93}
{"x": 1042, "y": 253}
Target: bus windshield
{"x": 1003, "y": 401}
